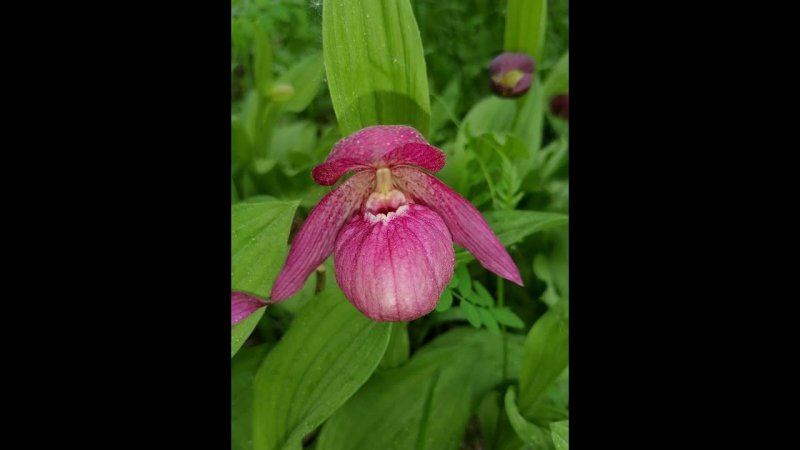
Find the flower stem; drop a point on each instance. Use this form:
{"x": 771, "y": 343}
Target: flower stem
{"x": 500, "y": 291}
{"x": 500, "y": 304}
{"x": 320, "y": 279}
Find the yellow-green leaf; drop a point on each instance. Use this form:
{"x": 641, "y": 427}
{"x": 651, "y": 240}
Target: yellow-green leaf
{"x": 259, "y": 234}
{"x": 375, "y": 64}
{"x": 329, "y": 351}
{"x": 526, "y": 23}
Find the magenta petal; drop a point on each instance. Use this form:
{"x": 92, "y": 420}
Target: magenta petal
{"x": 505, "y": 62}
{"x": 522, "y": 86}
{"x": 394, "y": 267}
{"x": 242, "y": 305}
{"x": 504, "y": 65}
{"x": 422, "y": 155}
{"x": 465, "y": 222}
{"x": 328, "y": 173}
{"x": 362, "y": 149}
{"x": 315, "y": 240}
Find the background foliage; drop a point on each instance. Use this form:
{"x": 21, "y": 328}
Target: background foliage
{"x": 489, "y": 368}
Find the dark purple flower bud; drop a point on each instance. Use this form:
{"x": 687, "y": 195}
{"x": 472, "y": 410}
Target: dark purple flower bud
{"x": 559, "y": 106}
{"x": 511, "y": 74}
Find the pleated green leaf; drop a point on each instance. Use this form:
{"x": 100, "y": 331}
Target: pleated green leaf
{"x": 426, "y": 403}
{"x": 259, "y": 234}
{"x": 329, "y": 351}
{"x": 557, "y": 81}
{"x": 530, "y": 433}
{"x": 526, "y": 23}
{"x": 512, "y": 226}
{"x": 560, "y": 434}
{"x": 243, "y": 369}
{"x": 397, "y": 352}
{"x": 528, "y": 124}
{"x": 546, "y": 356}
{"x": 263, "y": 60}
{"x": 375, "y": 64}
{"x": 305, "y": 77}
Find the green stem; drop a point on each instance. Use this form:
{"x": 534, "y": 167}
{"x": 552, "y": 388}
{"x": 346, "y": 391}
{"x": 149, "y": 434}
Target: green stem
{"x": 499, "y": 291}
{"x": 500, "y": 303}
{"x": 426, "y": 412}
{"x": 320, "y": 279}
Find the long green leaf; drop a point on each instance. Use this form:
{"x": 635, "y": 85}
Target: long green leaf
{"x": 444, "y": 105}
{"x": 243, "y": 369}
{"x": 397, "y": 352}
{"x": 242, "y": 330}
{"x": 293, "y": 144}
{"x": 241, "y": 146}
{"x": 330, "y": 350}
{"x": 263, "y": 60}
{"x": 494, "y": 424}
{"x": 553, "y": 268}
{"x": 491, "y": 114}
{"x": 529, "y": 122}
{"x": 512, "y": 226}
{"x": 305, "y": 78}
{"x": 234, "y": 193}
{"x": 259, "y": 231}
{"x": 557, "y": 81}
{"x": 426, "y": 403}
{"x": 560, "y": 434}
{"x": 526, "y": 23}
{"x": 545, "y": 358}
{"x": 375, "y": 64}
{"x": 530, "y": 433}
{"x": 553, "y": 406}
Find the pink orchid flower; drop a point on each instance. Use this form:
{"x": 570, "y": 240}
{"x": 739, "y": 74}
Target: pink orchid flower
{"x": 390, "y": 226}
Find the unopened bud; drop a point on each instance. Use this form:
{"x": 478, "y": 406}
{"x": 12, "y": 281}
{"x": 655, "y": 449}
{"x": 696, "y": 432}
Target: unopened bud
{"x": 559, "y": 106}
{"x": 511, "y": 74}
{"x": 281, "y": 92}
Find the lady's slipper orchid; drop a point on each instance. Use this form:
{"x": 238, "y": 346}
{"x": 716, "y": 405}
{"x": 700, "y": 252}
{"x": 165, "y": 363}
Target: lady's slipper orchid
{"x": 390, "y": 227}
{"x": 511, "y": 74}
{"x": 242, "y": 305}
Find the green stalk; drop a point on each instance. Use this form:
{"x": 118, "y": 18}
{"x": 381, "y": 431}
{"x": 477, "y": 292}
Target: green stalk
{"x": 500, "y": 303}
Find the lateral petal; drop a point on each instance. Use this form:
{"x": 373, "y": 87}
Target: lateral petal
{"x": 316, "y": 238}
{"x": 466, "y": 224}
{"x": 242, "y": 305}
